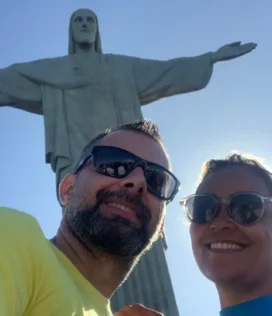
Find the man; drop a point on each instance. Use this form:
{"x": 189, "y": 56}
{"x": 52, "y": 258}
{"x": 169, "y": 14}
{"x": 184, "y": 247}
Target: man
{"x": 113, "y": 210}
{"x": 231, "y": 233}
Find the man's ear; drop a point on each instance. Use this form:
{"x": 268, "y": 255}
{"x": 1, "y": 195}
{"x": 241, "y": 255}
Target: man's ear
{"x": 65, "y": 189}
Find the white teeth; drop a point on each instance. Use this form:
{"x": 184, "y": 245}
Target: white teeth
{"x": 224, "y": 245}
{"x": 122, "y": 207}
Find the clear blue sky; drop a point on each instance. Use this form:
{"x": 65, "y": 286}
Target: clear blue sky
{"x": 232, "y": 113}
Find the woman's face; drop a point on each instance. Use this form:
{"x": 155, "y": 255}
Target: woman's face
{"x": 247, "y": 251}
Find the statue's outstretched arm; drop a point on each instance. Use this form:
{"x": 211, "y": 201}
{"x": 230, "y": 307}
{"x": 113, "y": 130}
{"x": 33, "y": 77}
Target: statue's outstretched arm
{"x": 232, "y": 50}
{"x": 159, "y": 79}
{"x": 6, "y": 100}
{"x": 29, "y": 106}
{"x": 19, "y": 92}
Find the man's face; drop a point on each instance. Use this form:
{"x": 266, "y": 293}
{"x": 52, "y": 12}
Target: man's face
{"x": 120, "y": 216}
{"x": 251, "y": 263}
{"x": 84, "y": 27}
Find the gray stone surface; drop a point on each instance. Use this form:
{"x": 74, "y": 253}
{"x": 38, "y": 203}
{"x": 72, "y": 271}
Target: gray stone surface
{"x": 87, "y": 91}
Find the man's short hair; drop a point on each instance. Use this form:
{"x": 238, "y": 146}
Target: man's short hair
{"x": 238, "y": 159}
{"x": 146, "y": 127}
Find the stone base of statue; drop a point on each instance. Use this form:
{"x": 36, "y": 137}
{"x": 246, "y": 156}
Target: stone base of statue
{"x": 149, "y": 284}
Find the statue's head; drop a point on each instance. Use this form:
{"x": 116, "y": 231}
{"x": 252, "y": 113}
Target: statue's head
{"x": 83, "y": 29}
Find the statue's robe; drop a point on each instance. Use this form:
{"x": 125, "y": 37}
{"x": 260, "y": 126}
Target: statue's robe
{"x": 82, "y": 95}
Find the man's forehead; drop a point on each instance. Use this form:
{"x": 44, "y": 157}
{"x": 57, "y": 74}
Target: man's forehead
{"x": 137, "y": 143}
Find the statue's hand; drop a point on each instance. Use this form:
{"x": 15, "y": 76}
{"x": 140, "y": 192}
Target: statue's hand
{"x": 232, "y": 50}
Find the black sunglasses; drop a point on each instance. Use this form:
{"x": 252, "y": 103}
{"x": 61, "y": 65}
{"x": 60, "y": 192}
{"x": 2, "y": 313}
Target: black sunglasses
{"x": 119, "y": 163}
{"x": 242, "y": 207}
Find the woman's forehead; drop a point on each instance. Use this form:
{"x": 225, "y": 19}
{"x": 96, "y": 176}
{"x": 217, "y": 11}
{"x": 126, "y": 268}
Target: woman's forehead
{"x": 233, "y": 179}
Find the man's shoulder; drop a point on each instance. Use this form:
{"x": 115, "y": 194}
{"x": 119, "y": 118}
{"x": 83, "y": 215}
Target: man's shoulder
{"x": 18, "y": 223}
{"x": 7, "y": 214}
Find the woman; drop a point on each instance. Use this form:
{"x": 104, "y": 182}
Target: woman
{"x": 231, "y": 232}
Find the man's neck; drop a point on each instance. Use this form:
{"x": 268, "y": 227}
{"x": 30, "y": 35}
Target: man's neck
{"x": 235, "y": 294}
{"x": 103, "y": 271}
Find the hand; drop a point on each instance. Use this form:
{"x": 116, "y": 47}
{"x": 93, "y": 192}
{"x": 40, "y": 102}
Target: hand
{"x": 137, "y": 310}
{"x": 232, "y": 50}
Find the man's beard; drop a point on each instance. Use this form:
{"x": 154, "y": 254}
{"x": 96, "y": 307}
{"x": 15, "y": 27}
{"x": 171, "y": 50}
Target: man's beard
{"x": 116, "y": 236}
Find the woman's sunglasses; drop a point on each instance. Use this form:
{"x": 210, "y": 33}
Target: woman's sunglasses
{"x": 119, "y": 163}
{"x": 243, "y": 207}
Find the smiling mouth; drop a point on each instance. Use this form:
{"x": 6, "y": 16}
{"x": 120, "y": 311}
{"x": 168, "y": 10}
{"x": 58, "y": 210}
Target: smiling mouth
{"x": 124, "y": 211}
{"x": 121, "y": 207}
{"x": 225, "y": 246}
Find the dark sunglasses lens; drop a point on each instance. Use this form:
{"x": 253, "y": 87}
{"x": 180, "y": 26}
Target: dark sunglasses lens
{"x": 160, "y": 182}
{"x": 113, "y": 162}
{"x": 118, "y": 163}
{"x": 246, "y": 208}
{"x": 201, "y": 209}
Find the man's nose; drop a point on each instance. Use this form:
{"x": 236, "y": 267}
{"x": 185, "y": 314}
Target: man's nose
{"x": 222, "y": 222}
{"x": 135, "y": 182}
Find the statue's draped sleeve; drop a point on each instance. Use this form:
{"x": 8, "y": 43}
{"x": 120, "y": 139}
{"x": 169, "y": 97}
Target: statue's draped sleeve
{"x": 21, "y": 87}
{"x": 18, "y": 91}
{"x": 159, "y": 79}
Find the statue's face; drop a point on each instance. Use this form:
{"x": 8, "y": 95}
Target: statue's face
{"x": 84, "y": 27}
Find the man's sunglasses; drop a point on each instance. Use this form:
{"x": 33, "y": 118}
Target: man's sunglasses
{"x": 243, "y": 208}
{"x": 119, "y": 163}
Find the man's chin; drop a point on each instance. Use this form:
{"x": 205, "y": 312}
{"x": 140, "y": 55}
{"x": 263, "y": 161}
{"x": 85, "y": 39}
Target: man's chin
{"x": 117, "y": 236}
{"x": 119, "y": 243}
{"x": 121, "y": 253}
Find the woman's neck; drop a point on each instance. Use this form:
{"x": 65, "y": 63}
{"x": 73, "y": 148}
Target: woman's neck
{"x": 238, "y": 293}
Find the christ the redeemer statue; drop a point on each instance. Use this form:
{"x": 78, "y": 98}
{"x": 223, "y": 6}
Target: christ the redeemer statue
{"x": 85, "y": 92}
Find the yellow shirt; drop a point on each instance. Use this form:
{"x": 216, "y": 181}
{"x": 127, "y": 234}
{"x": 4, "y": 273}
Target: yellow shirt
{"x": 36, "y": 279}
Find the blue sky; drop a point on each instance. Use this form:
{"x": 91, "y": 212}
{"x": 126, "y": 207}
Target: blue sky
{"x": 232, "y": 113}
